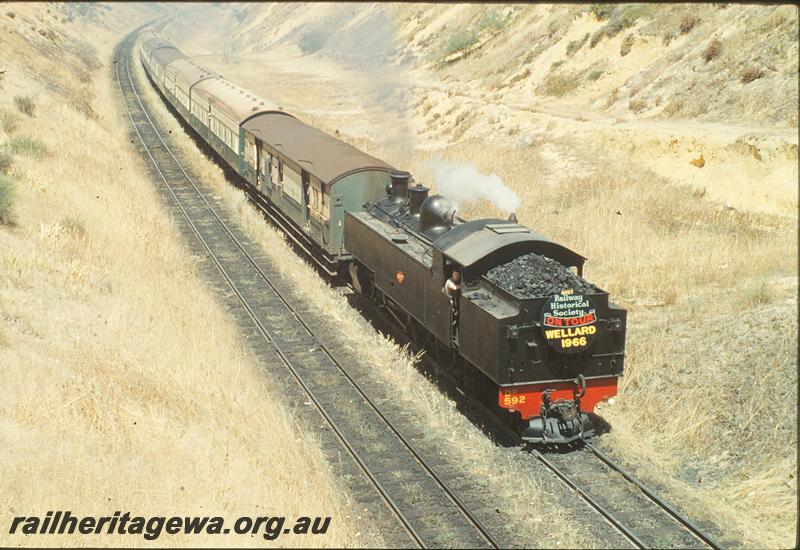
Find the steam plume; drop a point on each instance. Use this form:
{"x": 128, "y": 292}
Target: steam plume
{"x": 463, "y": 184}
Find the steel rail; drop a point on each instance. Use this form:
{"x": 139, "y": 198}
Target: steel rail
{"x": 410, "y": 447}
{"x": 675, "y": 514}
{"x": 680, "y": 518}
{"x": 618, "y": 525}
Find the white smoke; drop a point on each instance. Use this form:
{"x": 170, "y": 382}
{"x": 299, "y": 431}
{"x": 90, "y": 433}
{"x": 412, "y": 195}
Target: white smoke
{"x": 463, "y": 184}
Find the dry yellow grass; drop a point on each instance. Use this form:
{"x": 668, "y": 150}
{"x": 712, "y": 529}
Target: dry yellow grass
{"x": 125, "y": 384}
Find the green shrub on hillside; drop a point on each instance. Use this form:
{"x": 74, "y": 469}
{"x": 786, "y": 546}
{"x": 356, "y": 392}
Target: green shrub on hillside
{"x": 597, "y": 37}
{"x": 74, "y": 226}
{"x": 24, "y": 145}
{"x": 460, "y": 41}
{"x": 8, "y": 121}
{"x": 576, "y": 45}
{"x": 560, "y": 84}
{"x": 669, "y": 37}
{"x": 594, "y": 75}
{"x": 602, "y": 11}
{"x": 627, "y": 44}
{"x": 6, "y": 199}
{"x": 312, "y": 41}
{"x": 25, "y": 104}
{"x": 5, "y": 161}
{"x": 625, "y": 20}
{"x": 620, "y": 20}
{"x": 492, "y": 21}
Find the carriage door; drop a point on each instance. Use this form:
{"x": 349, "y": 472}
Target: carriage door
{"x": 337, "y": 221}
{"x": 259, "y": 164}
{"x": 306, "y": 200}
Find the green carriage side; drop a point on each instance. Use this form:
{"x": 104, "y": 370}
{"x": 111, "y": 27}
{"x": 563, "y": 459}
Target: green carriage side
{"x": 312, "y": 177}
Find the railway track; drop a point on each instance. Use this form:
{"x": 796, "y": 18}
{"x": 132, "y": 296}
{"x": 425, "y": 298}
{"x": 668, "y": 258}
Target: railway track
{"x": 430, "y": 512}
{"x": 637, "y": 512}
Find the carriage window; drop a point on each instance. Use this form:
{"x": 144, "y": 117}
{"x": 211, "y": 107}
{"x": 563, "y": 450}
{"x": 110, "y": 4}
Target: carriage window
{"x": 266, "y": 161}
{"x": 250, "y": 152}
{"x": 325, "y": 207}
{"x": 315, "y": 202}
{"x": 292, "y": 183}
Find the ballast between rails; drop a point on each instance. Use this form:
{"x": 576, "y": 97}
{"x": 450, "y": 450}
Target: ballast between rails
{"x": 407, "y": 525}
{"x": 389, "y": 227}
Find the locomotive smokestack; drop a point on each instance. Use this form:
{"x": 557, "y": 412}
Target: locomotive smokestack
{"x": 512, "y": 218}
{"x": 416, "y": 196}
{"x": 399, "y": 190}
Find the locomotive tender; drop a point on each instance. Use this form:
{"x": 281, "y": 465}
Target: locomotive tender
{"x": 545, "y": 361}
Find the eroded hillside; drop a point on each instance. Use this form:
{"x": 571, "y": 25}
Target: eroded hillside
{"x": 576, "y": 87}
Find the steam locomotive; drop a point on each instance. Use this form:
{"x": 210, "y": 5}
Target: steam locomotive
{"x": 545, "y": 361}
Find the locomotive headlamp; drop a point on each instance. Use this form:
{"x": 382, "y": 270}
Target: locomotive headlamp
{"x": 399, "y": 277}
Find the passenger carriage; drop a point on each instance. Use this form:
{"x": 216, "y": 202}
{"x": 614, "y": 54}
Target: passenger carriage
{"x": 310, "y": 178}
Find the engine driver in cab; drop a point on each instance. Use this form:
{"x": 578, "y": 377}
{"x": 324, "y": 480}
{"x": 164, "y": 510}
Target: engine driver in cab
{"x": 452, "y": 288}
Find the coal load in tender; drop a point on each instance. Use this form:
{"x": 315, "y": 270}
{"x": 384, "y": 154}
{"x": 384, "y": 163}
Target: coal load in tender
{"x": 533, "y": 276}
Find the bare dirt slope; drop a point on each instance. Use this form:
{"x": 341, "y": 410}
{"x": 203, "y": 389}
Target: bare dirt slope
{"x": 525, "y": 76}
{"x": 658, "y": 140}
{"x": 125, "y": 385}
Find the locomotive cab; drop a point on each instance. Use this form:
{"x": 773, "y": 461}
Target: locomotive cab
{"x": 553, "y": 355}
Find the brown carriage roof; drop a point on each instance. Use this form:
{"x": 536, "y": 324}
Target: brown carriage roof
{"x": 238, "y": 102}
{"x": 147, "y": 39}
{"x": 320, "y": 154}
{"x": 165, "y": 53}
{"x": 188, "y": 72}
